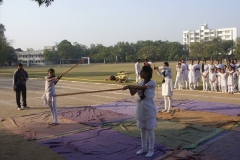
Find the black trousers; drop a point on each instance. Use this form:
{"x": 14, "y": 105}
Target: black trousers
{"x": 21, "y": 89}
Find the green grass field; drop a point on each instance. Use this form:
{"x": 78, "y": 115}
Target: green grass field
{"x": 87, "y": 73}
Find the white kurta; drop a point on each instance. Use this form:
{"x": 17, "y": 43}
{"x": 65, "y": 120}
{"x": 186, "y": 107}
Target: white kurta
{"x": 191, "y": 73}
{"x": 179, "y": 76}
{"x": 210, "y": 66}
{"x": 230, "y": 80}
{"x": 223, "y": 79}
{"x": 167, "y": 87}
{"x": 146, "y": 110}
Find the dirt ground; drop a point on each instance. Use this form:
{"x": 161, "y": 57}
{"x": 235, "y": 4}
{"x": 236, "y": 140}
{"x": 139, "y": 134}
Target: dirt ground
{"x": 15, "y": 147}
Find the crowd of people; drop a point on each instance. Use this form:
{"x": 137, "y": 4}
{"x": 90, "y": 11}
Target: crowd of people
{"x": 216, "y": 76}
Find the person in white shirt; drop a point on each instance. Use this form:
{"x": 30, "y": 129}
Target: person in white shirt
{"x": 185, "y": 73}
{"x": 211, "y": 65}
{"x": 223, "y": 76}
{"x": 212, "y": 80}
{"x": 179, "y": 77}
{"x": 192, "y": 75}
{"x": 50, "y": 99}
{"x": 230, "y": 81}
{"x": 175, "y": 84}
{"x": 137, "y": 71}
{"x": 146, "y": 110}
{"x": 198, "y": 74}
{"x": 167, "y": 85}
{"x": 205, "y": 76}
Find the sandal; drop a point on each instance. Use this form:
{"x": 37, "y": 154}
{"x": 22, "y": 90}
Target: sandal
{"x": 54, "y": 124}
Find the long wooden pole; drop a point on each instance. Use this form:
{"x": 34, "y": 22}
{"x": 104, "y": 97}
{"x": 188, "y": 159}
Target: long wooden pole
{"x": 82, "y": 60}
{"x": 106, "y": 90}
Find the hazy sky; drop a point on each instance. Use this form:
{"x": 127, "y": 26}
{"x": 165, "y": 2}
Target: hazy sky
{"x": 110, "y": 21}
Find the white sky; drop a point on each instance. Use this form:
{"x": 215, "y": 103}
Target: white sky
{"x": 110, "y": 21}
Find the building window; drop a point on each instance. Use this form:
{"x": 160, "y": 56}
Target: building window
{"x": 211, "y": 32}
{"x": 191, "y": 38}
{"x": 196, "y": 34}
{"x": 227, "y": 32}
{"x": 227, "y": 36}
{"x": 206, "y": 38}
{"x": 206, "y": 33}
{"x": 219, "y": 32}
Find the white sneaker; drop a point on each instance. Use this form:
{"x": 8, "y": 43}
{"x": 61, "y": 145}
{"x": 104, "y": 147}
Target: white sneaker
{"x": 168, "y": 111}
{"x": 141, "y": 151}
{"x": 20, "y": 109}
{"x": 164, "y": 110}
{"x": 149, "y": 154}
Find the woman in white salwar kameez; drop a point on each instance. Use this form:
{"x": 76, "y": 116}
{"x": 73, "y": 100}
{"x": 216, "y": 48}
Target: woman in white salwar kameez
{"x": 167, "y": 86}
{"x": 146, "y": 110}
{"x": 230, "y": 80}
{"x": 192, "y": 75}
{"x": 49, "y": 98}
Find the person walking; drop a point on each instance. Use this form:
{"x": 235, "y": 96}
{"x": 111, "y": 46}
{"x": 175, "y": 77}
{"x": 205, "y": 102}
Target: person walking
{"x": 20, "y": 77}
{"x": 137, "y": 71}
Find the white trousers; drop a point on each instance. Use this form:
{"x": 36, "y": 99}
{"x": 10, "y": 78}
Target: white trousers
{"x": 151, "y": 137}
{"x": 138, "y": 78}
{"x": 53, "y": 108}
{"x": 224, "y": 89}
{"x": 213, "y": 86}
{"x": 178, "y": 83}
{"x": 230, "y": 88}
{"x": 197, "y": 81}
{"x": 205, "y": 84}
{"x": 167, "y": 103}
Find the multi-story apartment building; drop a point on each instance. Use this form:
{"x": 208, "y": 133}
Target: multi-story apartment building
{"x": 206, "y": 34}
{"x": 32, "y": 57}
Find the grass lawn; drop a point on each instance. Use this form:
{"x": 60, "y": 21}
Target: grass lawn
{"x": 87, "y": 73}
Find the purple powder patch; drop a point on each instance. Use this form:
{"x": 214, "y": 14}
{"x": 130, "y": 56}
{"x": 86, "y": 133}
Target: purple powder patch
{"x": 100, "y": 144}
{"x": 92, "y": 116}
{"x": 222, "y": 108}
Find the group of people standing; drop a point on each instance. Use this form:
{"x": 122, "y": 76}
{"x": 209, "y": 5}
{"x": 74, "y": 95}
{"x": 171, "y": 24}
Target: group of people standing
{"x": 215, "y": 76}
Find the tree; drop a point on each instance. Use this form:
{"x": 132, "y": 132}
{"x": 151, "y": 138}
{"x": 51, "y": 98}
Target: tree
{"x": 237, "y": 47}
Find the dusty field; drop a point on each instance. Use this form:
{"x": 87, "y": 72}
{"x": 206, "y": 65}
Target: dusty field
{"x": 14, "y": 147}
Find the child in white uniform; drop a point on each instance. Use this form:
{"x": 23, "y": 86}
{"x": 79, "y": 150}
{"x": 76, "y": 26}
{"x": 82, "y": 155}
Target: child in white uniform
{"x": 167, "y": 86}
{"x": 230, "y": 81}
{"x": 192, "y": 75}
{"x": 185, "y": 73}
{"x": 49, "y": 97}
{"x": 223, "y": 76}
{"x": 146, "y": 109}
{"x": 205, "y": 76}
{"x": 179, "y": 77}
{"x": 212, "y": 80}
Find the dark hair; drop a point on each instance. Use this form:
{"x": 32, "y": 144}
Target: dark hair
{"x": 138, "y": 59}
{"x": 51, "y": 70}
{"x": 20, "y": 64}
{"x": 146, "y": 59}
{"x": 166, "y": 63}
{"x": 149, "y": 71}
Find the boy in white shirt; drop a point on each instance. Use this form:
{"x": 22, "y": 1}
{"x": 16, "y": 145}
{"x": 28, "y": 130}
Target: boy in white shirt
{"x": 205, "y": 76}
{"x": 230, "y": 81}
{"x": 179, "y": 77}
{"x": 198, "y": 74}
{"x": 219, "y": 79}
{"x": 212, "y": 80}
{"x": 223, "y": 76}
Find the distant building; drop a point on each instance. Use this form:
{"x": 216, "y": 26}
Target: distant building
{"x": 32, "y": 57}
{"x": 206, "y": 34}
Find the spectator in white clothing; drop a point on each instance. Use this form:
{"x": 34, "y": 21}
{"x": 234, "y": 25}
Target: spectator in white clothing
{"x": 137, "y": 71}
